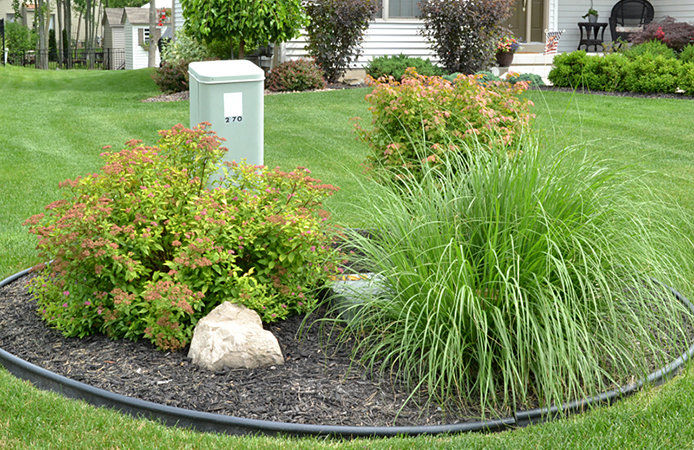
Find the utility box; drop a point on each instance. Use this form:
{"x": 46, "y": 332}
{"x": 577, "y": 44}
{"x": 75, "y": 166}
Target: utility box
{"x": 229, "y": 95}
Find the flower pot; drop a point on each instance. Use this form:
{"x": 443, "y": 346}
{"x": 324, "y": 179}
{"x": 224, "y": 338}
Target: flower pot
{"x": 504, "y": 59}
{"x": 592, "y": 18}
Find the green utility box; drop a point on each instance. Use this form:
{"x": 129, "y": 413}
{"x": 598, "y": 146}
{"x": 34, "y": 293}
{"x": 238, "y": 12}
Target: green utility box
{"x": 229, "y": 95}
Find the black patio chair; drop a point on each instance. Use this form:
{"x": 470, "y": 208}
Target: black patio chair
{"x": 629, "y": 16}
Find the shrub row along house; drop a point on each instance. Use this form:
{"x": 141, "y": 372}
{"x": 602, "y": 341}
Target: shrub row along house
{"x": 397, "y": 29}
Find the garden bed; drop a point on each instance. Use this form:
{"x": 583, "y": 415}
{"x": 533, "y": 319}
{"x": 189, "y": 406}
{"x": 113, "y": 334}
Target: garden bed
{"x": 311, "y": 388}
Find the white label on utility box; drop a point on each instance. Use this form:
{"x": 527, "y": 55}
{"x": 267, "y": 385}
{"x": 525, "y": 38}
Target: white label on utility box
{"x": 233, "y": 107}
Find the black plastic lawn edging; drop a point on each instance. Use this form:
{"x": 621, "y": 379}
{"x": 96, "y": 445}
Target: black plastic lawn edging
{"x": 210, "y": 422}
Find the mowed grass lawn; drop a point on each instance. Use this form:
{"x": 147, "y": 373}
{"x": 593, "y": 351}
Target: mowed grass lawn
{"x": 53, "y": 126}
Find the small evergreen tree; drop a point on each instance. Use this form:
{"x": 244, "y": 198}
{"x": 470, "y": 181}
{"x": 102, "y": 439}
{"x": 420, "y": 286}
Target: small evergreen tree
{"x": 52, "y": 46}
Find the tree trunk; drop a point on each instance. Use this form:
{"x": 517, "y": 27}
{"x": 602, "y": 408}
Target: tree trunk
{"x": 242, "y": 48}
{"x": 43, "y": 35}
{"x": 68, "y": 28}
{"x": 59, "y": 35}
{"x": 79, "y": 25}
{"x": 152, "y": 53}
{"x": 87, "y": 25}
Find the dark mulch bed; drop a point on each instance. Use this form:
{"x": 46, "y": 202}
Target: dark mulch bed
{"x": 615, "y": 94}
{"x": 311, "y": 387}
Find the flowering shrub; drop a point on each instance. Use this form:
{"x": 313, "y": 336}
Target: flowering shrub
{"x": 297, "y": 75}
{"x": 463, "y": 33}
{"x": 334, "y": 32}
{"x": 145, "y": 249}
{"x": 675, "y": 35}
{"x": 433, "y": 115}
{"x": 507, "y": 44}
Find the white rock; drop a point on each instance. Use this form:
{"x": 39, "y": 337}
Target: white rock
{"x": 232, "y": 336}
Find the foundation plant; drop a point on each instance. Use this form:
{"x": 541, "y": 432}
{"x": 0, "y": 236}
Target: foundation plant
{"x": 512, "y": 274}
{"x": 151, "y": 243}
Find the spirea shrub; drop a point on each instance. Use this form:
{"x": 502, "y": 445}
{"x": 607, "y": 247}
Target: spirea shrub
{"x": 144, "y": 249}
{"x": 395, "y": 66}
{"x": 464, "y": 34}
{"x": 334, "y": 32}
{"x": 669, "y": 31}
{"x": 422, "y": 118}
{"x": 297, "y": 75}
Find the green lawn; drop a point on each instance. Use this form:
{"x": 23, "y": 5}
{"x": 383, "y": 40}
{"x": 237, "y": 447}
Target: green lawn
{"x": 53, "y": 125}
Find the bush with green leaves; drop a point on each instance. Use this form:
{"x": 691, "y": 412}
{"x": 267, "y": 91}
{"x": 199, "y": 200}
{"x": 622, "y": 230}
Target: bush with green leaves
{"x": 395, "y": 66}
{"x": 687, "y": 54}
{"x": 184, "y": 48}
{"x": 686, "y": 78}
{"x": 605, "y": 74}
{"x": 335, "y": 31}
{"x": 296, "y": 75}
{"x": 568, "y": 69}
{"x": 144, "y": 248}
{"x": 652, "y": 74}
{"x": 244, "y": 24}
{"x": 645, "y": 73}
{"x": 464, "y": 34}
{"x": 532, "y": 79}
{"x": 528, "y": 279}
{"x": 19, "y": 38}
{"x": 652, "y": 48}
{"x": 172, "y": 74}
{"x": 441, "y": 114}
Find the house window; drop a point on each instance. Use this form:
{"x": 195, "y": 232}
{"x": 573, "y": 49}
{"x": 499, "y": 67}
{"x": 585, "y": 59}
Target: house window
{"x": 398, "y": 9}
{"x": 9, "y": 18}
{"x": 145, "y": 35}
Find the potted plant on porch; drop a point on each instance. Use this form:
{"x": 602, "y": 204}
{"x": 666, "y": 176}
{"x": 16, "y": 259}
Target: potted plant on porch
{"x": 592, "y": 14}
{"x": 505, "y": 49}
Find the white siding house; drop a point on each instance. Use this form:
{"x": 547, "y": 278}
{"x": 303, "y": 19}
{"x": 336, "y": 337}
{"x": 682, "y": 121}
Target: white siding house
{"x": 388, "y": 35}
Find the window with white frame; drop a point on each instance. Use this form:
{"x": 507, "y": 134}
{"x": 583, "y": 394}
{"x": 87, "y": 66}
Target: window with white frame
{"x": 403, "y": 9}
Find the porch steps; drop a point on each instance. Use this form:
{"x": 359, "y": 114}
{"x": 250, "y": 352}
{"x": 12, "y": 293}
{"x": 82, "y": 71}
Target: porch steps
{"x": 528, "y": 62}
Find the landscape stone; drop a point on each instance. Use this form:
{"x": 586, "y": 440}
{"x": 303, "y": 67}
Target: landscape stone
{"x": 350, "y": 291}
{"x": 232, "y": 336}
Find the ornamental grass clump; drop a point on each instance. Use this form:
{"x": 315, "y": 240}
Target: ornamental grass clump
{"x": 526, "y": 280}
{"x": 439, "y": 117}
{"x": 144, "y": 248}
